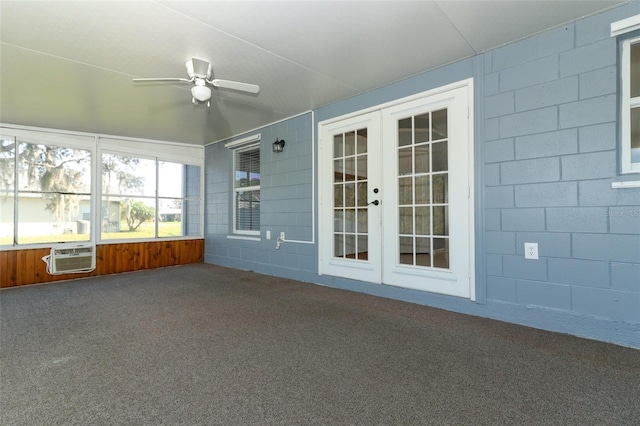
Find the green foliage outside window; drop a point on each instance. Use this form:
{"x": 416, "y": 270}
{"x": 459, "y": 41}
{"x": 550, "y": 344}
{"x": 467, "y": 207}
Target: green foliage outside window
{"x": 137, "y": 213}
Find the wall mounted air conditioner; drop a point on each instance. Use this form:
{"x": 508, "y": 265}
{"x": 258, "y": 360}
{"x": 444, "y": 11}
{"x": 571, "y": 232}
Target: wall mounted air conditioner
{"x": 71, "y": 258}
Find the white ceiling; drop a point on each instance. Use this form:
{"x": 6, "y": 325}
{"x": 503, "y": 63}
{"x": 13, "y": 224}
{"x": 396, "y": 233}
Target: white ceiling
{"x": 69, "y": 64}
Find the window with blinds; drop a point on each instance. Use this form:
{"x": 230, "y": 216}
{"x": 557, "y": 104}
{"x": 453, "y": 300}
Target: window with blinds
{"x": 246, "y": 190}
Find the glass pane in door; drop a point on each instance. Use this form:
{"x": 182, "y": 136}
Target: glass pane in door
{"x": 423, "y": 190}
{"x": 350, "y": 161}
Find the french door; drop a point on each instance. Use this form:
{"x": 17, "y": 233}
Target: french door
{"x": 395, "y": 195}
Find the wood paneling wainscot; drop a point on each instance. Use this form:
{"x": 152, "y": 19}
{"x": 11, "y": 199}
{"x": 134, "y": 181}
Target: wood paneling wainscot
{"x": 21, "y": 267}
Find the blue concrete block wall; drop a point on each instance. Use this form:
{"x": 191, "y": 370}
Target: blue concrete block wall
{"x": 546, "y": 154}
{"x": 286, "y": 203}
{"x": 556, "y": 144}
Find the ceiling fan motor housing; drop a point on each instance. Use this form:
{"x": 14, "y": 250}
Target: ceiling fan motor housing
{"x": 198, "y": 68}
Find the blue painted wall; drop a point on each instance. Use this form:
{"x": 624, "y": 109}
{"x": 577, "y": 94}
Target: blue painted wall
{"x": 546, "y": 153}
{"x": 286, "y": 203}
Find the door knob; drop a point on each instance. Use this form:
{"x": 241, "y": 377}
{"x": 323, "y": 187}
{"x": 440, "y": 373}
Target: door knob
{"x": 374, "y": 202}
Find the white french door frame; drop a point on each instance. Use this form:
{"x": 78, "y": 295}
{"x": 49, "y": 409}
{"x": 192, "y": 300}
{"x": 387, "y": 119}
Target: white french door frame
{"x": 325, "y": 188}
{"x": 366, "y": 270}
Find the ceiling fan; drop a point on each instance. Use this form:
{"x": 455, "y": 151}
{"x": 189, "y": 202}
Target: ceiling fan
{"x": 199, "y": 72}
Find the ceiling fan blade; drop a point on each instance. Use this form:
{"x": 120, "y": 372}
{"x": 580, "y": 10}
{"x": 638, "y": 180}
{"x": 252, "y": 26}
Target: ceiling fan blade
{"x": 184, "y": 80}
{"x": 235, "y": 85}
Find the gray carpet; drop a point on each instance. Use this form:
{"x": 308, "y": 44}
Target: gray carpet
{"x": 205, "y": 345}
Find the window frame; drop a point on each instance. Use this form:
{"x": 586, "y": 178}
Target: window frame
{"x": 156, "y": 197}
{"x": 174, "y": 152}
{"x": 252, "y": 146}
{"x": 101, "y": 194}
{"x": 627, "y": 104}
{"x": 627, "y": 32}
{"x": 49, "y": 138}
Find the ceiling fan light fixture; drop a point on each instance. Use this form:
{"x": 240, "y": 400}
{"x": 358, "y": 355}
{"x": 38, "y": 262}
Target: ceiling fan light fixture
{"x": 201, "y": 93}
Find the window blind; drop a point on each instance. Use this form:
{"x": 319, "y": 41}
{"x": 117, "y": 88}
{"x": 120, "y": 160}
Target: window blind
{"x": 247, "y": 188}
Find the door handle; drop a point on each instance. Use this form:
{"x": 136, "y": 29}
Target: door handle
{"x": 374, "y": 202}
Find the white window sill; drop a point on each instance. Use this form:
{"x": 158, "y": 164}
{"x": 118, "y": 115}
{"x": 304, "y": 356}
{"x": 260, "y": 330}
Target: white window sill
{"x": 625, "y": 184}
{"x": 243, "y": 237}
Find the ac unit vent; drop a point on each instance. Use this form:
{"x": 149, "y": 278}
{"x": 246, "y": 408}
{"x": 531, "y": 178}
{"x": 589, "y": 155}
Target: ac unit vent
{"x": 77, "y": 258}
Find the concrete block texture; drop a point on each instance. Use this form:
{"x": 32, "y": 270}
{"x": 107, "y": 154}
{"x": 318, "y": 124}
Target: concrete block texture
{"x": 602, "y": 109}
{"x": 598, "y": 27}
{"x": 513, "y": 54}
{"x": 526, "y": 269}
{"x": 598, "y": 83}
{"x": 529, "y": 122}
{"x": 498, "y": 150}
{"x": 501, "y": 288}
{"x": 491, "y": 129}
{"x": 628, "y": 197}
{"x": 500, "y": 242}
{"x": 612, "y": 247}
{"x": 529, "y": 74}
{"x": 579, "y": 272}
{"x": 597, "y": 193}
{"x": 618, "y": 305}
{"x": 530, "y": 171}
{"x": 492, "y": 174}
{"x": 492, "y": 220}
{"x": 494, "y": 264}
{"x": 499, "y": 197}
{"x": 625, "y": 276}
{"x": 523, "y": 220}
{"x": 588, "y": 58}
{"x": 554, "y": 92}
{"x": 624, "y": 220}
{"x": 577, "y": 219}
{"x": 500, "y": 104}
{"x": 491, "y": 83}
{"x": 553, "y": 194}
{"x": 595, "y": 165}
{"x": 600, "y": 137}
{"x": 560, "y": 142}
{"x": 556, "y": 41}
{"x": 539, "y": 293}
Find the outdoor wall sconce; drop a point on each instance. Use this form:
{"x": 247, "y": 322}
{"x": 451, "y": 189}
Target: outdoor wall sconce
{"x": 278, "y": 146}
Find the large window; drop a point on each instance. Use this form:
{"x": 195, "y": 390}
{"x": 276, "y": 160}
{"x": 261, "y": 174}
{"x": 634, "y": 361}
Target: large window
{"x": 57, "y": 188}
{"x": 7, "y": 189}
{"x": 630, "y": 110}
{"x": 128, "y": 197}
{"x": 246, "y": 190}
{"x": 45, "y": 191}
{"x": 148, "y": 198}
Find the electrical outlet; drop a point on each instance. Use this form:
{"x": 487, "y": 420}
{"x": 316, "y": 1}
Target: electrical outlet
{"x": 531, "y": 251}
{"x": 268, "y": 234}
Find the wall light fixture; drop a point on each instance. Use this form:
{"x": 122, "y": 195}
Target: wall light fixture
{"x": 278, "y": 145}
